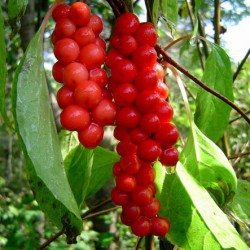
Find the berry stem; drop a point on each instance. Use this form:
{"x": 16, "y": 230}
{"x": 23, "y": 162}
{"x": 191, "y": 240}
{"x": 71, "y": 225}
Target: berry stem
{"x": 200, "y": 83}
{"x": 149, "y": 242}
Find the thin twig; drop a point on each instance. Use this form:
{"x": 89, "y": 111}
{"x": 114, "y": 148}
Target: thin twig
{"x": 239, "y": 117}
{"x": 149, "y": 242}
{"x": 150, "y": 17}
{"x": 138, "y": 243}
{"x": 217, "y": 22}
{"x": 116, "y": 11}
{"x": 241, "y": 65}
{"x": 200, "y": 83}
{"x": 239, "y": 155}
{"x": 100, "y": 213}
{"x": 176, "y": 41}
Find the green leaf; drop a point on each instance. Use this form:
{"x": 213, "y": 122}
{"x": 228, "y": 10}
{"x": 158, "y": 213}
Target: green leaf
{"x": 191, "y": 211}
{"x": 39, "y": 140}
{"x": 16, "y": 8}
{"x": 78, "y": 166}
{"x": 154, "y": 8}
{"x": 241, "y": 203}
{"x": 207, "y": 163}
{"x": 212, "y": 114}
{"x": 169, "y": 10}
{"x": 103, "y": 162}
{"x": 198, "y": 4}
{"x": 3, "y": 70}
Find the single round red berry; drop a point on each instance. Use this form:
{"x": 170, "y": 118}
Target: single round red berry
{"x": 151, "y": 209}
{"x": 61, "y": 11}
{"x": 131, "y": 211}
{"x": 146, "y": 34}
{"x": 130, "y": 164}
{"x": 115, "y": 42}
{"x": 65, "y": 28}
{"x": 100, "y": 42}
{"x": 142, "y": 195}
{"x": 95, "y": 23}
{"x": 162, "y": 90}
{"x": 121, "y": 133}
{"x": 127, "y": 117}
{"x": 125, "y": 182}
{"x": 113, "y": 56}
{"x": 145, "y": 176}
{"x": 164, "y": 111}
{"x": 117, "y": 169}
{"x": 84, "y": 36}
{"x": 125, "y": 221}
{"x": 119, "y": 198}
{"x": 150, "y": 123}
{"x": 126, "y": 147}
{"x": 99, "y": 76}
{"x": 65, "y": 97}
{"x": 127, "y": 45}
{"x": 146, "y": 79}
{"x": 80, "y": 13}
{"x": 149, "y": 150}
{"x": 159, "y": 70}
{"x": 137, "y": 135}
{"x": 57, "y": 72}
{"x": 141, "y": 227}
{"x": 126, "y": 24}
{"x": 169, "y": 157}
{"x": 159, "y": 226}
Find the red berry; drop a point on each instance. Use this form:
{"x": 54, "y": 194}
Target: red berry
{"x": 145, "y": 176}
{"x": 104, "y": 113}
{"x": 92, "y": 56}
{"x": 74, "y": 117}
{"x": 57, "y": 72}
{"x": 126, "y": 24}
{"x": 84, "y": 36}
{"x": 125, "y": 221}
{"x": 66, "y": 50}
{"x": 100, "y": 42}
{"x": 119, "y": 198}
{"x": 151, "y": 209}
{"x": 162, "y": 89}
{"x": 146, "y": 34}
{"x": 125, "y": 182}
{"x": 65, "y": 97}
{"x": 99, "y": 76}
{"x": 126, "y": 147}
{"x": 106, "y": 94}
{"x": 112, "y": 58}
{"x": 65, "y": 28}
{"x": 146, "y": 79}
{"x": 121, "y": 133}
{"x": 61, "y": 11}
{"x": 159, "y": 226}
{"x": 80, "y": 13}
{"x": 159, "y": 70}
{"x": 127, "y": 117}
{"x": 127, "y": 45}
{"x": 144, "y": 56}
{"x": 115, "y": 42}
{"x": 130, "y": 164}
{"x": 153, "y": 188}
{"x": 54, "y": 37}
{"x": 164, "y": 111}
{"x": 124, "y": 71}
{"x": 131, "y": 211}
{"x": 149, "y": 150}
{"x": 167, "y": 135}
{"x": 141, "y": 227}
{"x": 137, "y": 135}
{"x": 112, "y": 85}
{"x": 95, "y": 23}
{"x": 74, "y": 74}
{"x": 88, "y": 94}
{"x": 91, "y": 136}
{"x": 125, "y": 94}
{"x": 150, "y": 123}
{"x": 142, "y": 195}
{"x": 117, "y": 169}
{"x": 169, "y": 157}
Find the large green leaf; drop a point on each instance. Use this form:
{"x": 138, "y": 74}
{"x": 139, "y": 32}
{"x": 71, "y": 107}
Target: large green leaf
{"x": 207, "y": 163}
{"x": 103, "y": 162}
{"x": 169, "y": 10}
{"x": 212, "y": 114}
{"x": 78, "y": 166}
{"x": 39, "y": 141}
{"x": 198, "y": 4}
{"x": 196, "y": 221}
{"x": 16, "y": 8}
{"x": 241, "y": 203}
{"x": 3, "y": 70}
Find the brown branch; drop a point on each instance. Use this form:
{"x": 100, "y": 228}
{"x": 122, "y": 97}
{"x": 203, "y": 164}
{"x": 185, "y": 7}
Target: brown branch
{"x": 217, "y": 22}
{"x": 114, "y": 8}
{"x": 239, "y": 155}
{"x": 200, "y": 83}
{"x": 50, "y": 240}
{"x": 239, "y": 117}
{"x": 149, "y": 242}
{"x": 241, "y": 65}
{"x": 149, "y": 14}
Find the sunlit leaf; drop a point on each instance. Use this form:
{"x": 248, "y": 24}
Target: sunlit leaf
{"x": 169, "y": 10}
{"x": 154, "y": 8}
{"x": 16, "y": 8}
{"x": 212, "y": 114}
{"x": 39, "y": 141}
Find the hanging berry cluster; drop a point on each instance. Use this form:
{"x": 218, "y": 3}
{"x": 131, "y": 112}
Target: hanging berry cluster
{"x": 142, "y": 123}
{"x": 87, "y": 106}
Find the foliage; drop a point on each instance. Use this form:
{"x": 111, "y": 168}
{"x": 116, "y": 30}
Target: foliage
{"x": 64, "y": 176}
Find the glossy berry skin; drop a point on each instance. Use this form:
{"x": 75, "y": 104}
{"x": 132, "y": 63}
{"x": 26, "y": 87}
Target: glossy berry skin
{"x": 162, "y": 90}
{"x": 74, "y": 117}
{"x": 149, "y": 150}
{"x": 164, "y": 111}
{"x": 169, "y": 157}
{"x": 159, "y": 70}
{"x": 121, "y": 133}
{"x": 137, "y": 135}
{"x": 141, "y": 227}
{"x": 167, "y": 135}
{"x": 145, "y": 176}
{"x": 84, "y": 36}
{"x": 61, "y": 11}
{"x": 126, "y": 24}
{"x": 80, "y": 13}
{"x": 146, "y": 34}
{"x": 65, "y": 28}
{"x": 65, "y": 97}
{"x": 146, "y": 79}
{"x": 91, "y": 136}
{"x": 100, "y": 42}
{"x": 113, "y": 56}
{"x": 88, "y": 94}
{"x": 127, "y": 45}
{"x": 127, "y": 117}
{"x": 150, "y": 123}
{"x": 144, "y": 56}
{"x": 125, "y": 220}
{"x": 92, "y": 56}
{"x": 95, "y": 23}
{"x": 66, "y": 50}
{"x": 117, "y": 169}
{"x": 124, "y": 71}
{"x": 104, "y": 113}
{"x": 99, "y": 76}
{"x": 151, "y": 209}
{"x": 125, "y": 94}
{"x": 126, "y": 147}
{"x": 142, "y": 195}
{"x": 130, "y": 164}
{"x": 131, "y": 211}
{"x": 115, "y": 42}
{"x": 119, "y": 198}
{"x": 57, "y": 72}
{"x": 125, "y": 182}
{"x": 74, "y": 74}
{"x": 159, "y": 226}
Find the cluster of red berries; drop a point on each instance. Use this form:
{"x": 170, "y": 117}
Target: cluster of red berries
{"x": 87, "y": 105}
{"x": 142, "y": 123}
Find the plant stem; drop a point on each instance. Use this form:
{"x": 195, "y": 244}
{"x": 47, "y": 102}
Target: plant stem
{"x": 237, "y": 118}
{"x": 149, "y": 242}
{"x": 200, "y": 83}
{"x": 149, "y": 14}
{"x": 241, "y": 65}
{"x": 217, "y": 22}
{"x": 50, "y": 240}
{"x": 239, "y": 155}
{"x": 116, "y": 10}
